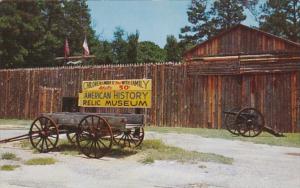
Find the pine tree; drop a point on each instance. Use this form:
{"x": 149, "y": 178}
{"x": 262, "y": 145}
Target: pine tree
{"x": 119, "y": 45}
{"x": 172, "y": 48}
{"x": 205, "y": 23}
{"x": 281, "y": 17}
{"x": 198, "y": 18}
{"x": 132, "y": 47}
{"x": 227, "y": 13}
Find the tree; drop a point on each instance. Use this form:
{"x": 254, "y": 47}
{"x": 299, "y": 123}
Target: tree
{"x": 227, "y": 13}
{"x": 133, "y": 40}
{"x": 104, "y": 52}
{"x": 33, "y": 32}
{"x": 119, "y": 45}
{"x": 205, "y": 23}
{"x": 21, "y": 45}
{"x": 149, "y": 52}
{"x": 172, "y": 49}
{"x": 281, "y": 17}
{"x": 198, "y": 18}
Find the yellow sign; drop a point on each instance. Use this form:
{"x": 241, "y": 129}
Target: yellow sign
{"x": 116, "y": 93}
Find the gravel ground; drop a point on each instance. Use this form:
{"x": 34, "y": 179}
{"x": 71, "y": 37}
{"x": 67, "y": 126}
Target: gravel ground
{"x": 255, "y": 165}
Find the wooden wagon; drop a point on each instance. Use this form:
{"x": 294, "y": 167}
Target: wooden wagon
{"x": 93, "y": 133}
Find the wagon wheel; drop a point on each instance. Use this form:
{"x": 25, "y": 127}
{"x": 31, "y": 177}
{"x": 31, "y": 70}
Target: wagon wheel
{"x": 43, "y": 134}
{"x": 71, "y": 136}
{"x": 250, "y": 122}
{"x": 132, "y": 137}
{"x": 230, "y": 124}
{"x": 94, "y": 136}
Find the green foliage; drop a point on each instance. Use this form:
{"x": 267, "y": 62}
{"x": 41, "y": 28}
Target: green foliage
{"x": 41, "y": 161}
{"x": 104, "y": 52}
{"x": 33, "y": 32}
{"x": 282, "y": 18}
{"x": 157, "y": 150}
{"x": 205, "y": 22}
{"x": 8, "y": 156}
{"x": 149, "y": 52}
{"x": 173, "y": 50}
{"x": 132, "y": 48}
{"x": 9, "y": 167}
{"x": 119, "y": 45}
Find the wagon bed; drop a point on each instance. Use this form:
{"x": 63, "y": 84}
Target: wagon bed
{"x": 115, "y": 120}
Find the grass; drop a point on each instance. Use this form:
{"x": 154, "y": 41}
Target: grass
{"x": 25, "y": 144}
{"x": 9, "y": 156}
{"x": 41, "y": 161}
{"x": 17, "y": 123}
{"x": 66, "y": 148}
{"x": 157, "y": 150}
{"x": 291, "y": 139}
{"x": 151, "y": 150}
{"x": 9, "y": 167}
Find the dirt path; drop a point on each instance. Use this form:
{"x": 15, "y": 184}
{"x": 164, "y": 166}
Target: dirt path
{"x": 254, "y": 166}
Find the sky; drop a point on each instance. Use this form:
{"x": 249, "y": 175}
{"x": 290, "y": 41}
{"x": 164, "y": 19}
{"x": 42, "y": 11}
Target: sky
{"x": 154, "y": 19}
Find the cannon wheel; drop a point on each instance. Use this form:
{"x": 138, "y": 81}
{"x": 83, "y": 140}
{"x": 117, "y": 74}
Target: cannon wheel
{"x": 71, "y": 136}
{"x": 230, "y": 124}
{"x": 250, "y": 122}
{"x": 94, "y": 136}
{"x": 43, "y": 134}
{"x": 132, "y": 137}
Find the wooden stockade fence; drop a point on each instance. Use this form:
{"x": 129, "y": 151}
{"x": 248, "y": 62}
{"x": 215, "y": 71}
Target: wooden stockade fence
{"x": 184, "y": 95}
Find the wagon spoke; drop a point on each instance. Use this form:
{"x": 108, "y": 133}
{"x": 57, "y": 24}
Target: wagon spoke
{"x": 42, "y": 145}
{"x": 128, "y": 140}
{"x": 121, "y": 139}
{"x": 46, "y": 144}
{"x": 38, "y": 141}
{"x": 90, "y": 150}
{"x": 102, "y": 143}
{"x": 99, "y": 148}
{"x": 95, "y": 150}
{"x": 92, "y": 121}
{"x": 86, "y": 122}
{"x": 73, "y": 136}
{"x": 37, "y": 127}
{"x": 132, "y": 139}
{"x": 88, "y": 142}
{"x": 98, "y": 145}
{"x": 50, "y": 142}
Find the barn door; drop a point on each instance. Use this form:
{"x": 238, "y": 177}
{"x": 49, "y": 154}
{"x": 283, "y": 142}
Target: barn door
{"x": 49, "y": 100}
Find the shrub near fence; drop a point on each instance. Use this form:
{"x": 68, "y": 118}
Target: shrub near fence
{"x": 183, "y": 95}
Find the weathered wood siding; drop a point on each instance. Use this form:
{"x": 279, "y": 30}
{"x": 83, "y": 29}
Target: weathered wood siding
{"x": 183, "y": 95}
{"x": 242, "y": 40}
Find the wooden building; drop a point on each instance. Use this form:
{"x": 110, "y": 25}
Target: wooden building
{"x": 239, "y": 67}
{"x": 264, "y": 69}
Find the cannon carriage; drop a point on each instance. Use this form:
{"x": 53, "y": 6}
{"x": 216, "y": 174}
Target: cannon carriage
{"x": 247, "y": 122}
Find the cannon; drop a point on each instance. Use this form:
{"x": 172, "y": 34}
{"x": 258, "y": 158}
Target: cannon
{"x": 93, "y": 133}
{"x": 247, "y": 122}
